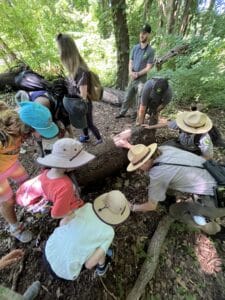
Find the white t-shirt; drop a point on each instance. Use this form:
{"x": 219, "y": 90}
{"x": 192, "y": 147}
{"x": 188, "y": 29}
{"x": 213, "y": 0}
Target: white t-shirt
{"x": 179, "y": 178}
{"x": 70, "y": 245}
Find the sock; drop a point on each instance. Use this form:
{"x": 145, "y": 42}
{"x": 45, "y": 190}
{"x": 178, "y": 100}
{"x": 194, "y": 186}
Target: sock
{"x": 14, "y": 226}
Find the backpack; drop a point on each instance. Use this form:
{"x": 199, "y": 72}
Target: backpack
{"x": 97, "y": 91}
{"x": 31, "y": 81}
{"x": 31, "y": 196}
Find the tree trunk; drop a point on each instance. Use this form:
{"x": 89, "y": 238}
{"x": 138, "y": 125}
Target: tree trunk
{"x": 150, "y": 264}
{"x": 122, "y": 41}
{"x": 147, "y": 7}
{"x": 109, "y": 158}
{"x": 172, "y": 16}
{"x": 113, "y": 96}
{"x": 185, "y": 17}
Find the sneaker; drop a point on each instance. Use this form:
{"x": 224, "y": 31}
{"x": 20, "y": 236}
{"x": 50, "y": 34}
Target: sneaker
{"x": 120, "y": 116}
{"x": 98, "y": 142}
{"x": 102, "y": 269}
{"x": 24, "y": 236}
{"x": 84, "y": 138}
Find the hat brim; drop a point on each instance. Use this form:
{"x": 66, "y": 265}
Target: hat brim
{"x": 152, "y": 148}
{"x": 204, "y": 129}
{"x": 49, "y": 132}
{"x": 106, "y": 215}
{"x": 54, "y": 161}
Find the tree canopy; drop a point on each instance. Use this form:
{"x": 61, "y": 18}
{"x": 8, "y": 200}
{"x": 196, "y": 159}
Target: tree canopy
{"x": 105, "y": 31}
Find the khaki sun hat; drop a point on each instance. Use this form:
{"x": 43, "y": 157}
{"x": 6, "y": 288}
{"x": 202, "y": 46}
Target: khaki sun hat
{"x": 112, "y": 208}
{"x": 194, "y": 122}
{"x": 66, "y": 153}
{"x": 139, "y": 154}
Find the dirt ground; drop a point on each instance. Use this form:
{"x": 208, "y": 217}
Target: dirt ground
{"x": 191, "y": 266}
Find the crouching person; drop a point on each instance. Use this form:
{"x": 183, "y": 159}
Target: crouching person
{"x": 53, "y": 188}
{"x": 85, "y": 240}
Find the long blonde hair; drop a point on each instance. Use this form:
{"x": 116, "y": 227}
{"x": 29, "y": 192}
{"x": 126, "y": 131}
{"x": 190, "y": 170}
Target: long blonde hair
{"x": 69, "y": 54}
{"x": 72, "y": 61}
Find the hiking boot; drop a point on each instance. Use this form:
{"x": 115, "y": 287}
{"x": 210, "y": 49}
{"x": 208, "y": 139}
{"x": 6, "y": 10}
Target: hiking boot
{"x": 84, "y": 138}
{"x": 24, "y": 236}
{"x": 120, "y": 116}
{"x": 102, "y": 269}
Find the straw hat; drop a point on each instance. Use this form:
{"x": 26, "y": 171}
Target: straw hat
{"x": 194, "y": 122}
{"x": 112, "y": 208}
{"x": 139, "y": 154}
{"x": 66, "y": 153}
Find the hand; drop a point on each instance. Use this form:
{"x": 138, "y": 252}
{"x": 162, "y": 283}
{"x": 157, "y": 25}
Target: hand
{"x": 146, "y": 126}
{"x": 11, "y": 258}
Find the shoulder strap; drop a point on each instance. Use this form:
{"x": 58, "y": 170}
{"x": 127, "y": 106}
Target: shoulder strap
{"x": 171, "y": 164}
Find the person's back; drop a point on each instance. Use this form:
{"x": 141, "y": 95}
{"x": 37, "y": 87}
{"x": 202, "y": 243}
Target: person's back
{"x": 179, "y": 178}
{"x": 70, "y": 245}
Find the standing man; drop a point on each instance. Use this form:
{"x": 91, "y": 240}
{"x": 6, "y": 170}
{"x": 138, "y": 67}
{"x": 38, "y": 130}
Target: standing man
{"x": 141, "y": 61}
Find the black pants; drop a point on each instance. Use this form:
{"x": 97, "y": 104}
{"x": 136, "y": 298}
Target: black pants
{"x": 90, "y": 123}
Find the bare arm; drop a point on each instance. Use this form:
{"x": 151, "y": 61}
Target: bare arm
{"x": 156, "y": 126}
{"x": 145, "y": 70}
{"x": 97, "y": 257}
{"x": 141, "y": 113}
{"x": 83, "y": 91}
{"x": 147, "y": 206}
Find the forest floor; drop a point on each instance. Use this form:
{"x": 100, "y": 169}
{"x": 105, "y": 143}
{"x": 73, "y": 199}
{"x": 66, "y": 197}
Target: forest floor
{"x": 189, "y": 264}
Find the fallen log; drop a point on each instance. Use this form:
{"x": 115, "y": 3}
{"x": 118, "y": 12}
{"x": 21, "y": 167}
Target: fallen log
{"x": 150, "y": 264}
{"x": 109, "y": 158}
{"x": 113, "y": 96}
{"x": 182, "y": 49}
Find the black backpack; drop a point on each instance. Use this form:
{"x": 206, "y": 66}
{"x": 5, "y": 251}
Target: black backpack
{"x": 31, "y": 81}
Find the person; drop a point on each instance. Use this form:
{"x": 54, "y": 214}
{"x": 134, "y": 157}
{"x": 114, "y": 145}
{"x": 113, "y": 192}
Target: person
{"x": 170, "y": 168}
{"x": 39, "y": 118}
{"x": 52, "y": 102}
{"x": 155, "y": 96}
{"x": 194, "y": 130}
{"x": 53, "y": 188}
{"x": 140, "y": 63}
{"x": 11, "y": 132}
{"x": 84, "y": 241}
{"x": 80, "y": 82}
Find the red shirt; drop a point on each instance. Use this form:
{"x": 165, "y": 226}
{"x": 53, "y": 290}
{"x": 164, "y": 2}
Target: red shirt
{"x": 62, "y": 193}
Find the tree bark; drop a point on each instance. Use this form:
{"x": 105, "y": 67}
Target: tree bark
{"x": 113, "y": 96}
{"x": 172, "y": 16}
{"x": 109, "y": 158}
{"x": 150, "y": 264}
{"x": 185, "y": 17}
{"x": 122, "y": 41}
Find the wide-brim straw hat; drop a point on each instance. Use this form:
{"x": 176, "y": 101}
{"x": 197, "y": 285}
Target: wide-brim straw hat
{"x": 194, "y": 122}
{"x": 112, "y": 207}
{"x": 66, "y": 153}
{"x": 139, "y": 154}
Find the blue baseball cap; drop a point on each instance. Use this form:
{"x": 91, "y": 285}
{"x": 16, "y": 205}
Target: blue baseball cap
{"x": 38, "y": 117}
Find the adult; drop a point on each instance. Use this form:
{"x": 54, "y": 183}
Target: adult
{"x": 85, "y": 240}
{"x": 80, "y": 82}
{"x": 155, "y": 96}
{"x": 141, "y": 61}
{"x": 193, "y": 130}
{"x": 167, "y": 171}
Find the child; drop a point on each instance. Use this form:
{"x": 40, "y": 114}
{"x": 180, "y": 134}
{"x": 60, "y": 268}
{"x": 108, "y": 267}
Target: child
{"x": 84, "y": 241}
{"x": 10, "y": 167}
{"x": 39, "y": 118}
{"x": 53, "y": 184}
